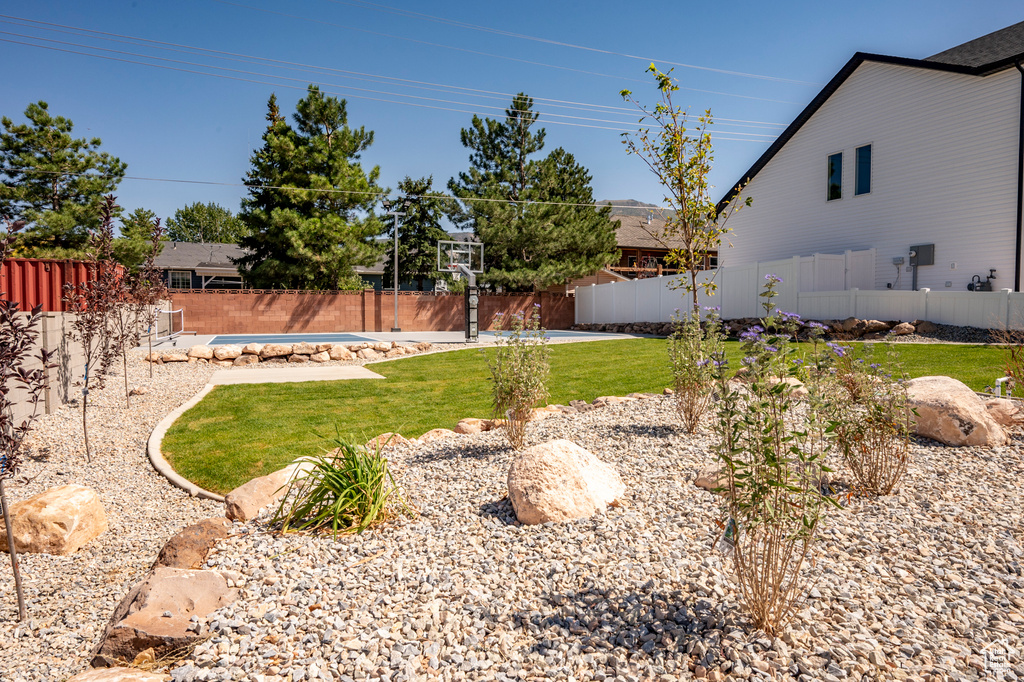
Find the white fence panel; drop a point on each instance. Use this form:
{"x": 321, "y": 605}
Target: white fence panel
{"x": 584, "y": 305}
{"x": 672, "y": 299}
{"x": 825, "y": 305}
{"x": 624, "y": 301}
{"x": 860, "y": 270}
{"x": 787, "y": 290}
{"x": 904, "y": 306}
{"x": 830, "y": 273}
{"x": 968, "y": 308}
{"x": 648, "y": 298}
{"x": 1015, "y": 311}
{"x": 807, "y": 273}
{"x": 605, "y": 303}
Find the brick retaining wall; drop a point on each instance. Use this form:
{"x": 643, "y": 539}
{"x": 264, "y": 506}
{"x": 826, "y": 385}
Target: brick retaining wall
{"x": 259, "y": 311}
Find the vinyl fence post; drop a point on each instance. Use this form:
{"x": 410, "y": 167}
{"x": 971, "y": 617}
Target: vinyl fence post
{"x": 593, "y": 304}
{"x": 853, "y": 303}
{"x": 1005, "y": 303}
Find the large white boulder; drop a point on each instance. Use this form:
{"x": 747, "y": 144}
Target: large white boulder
{"x": 56, "y": 521}
{"x": 204, "y": 352}
{"x": 229, "y": 352}
{"x": 560, "y": 481}
{"x": 950, "y": 412}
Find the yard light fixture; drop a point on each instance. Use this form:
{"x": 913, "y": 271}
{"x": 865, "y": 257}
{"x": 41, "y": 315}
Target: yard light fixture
{"x": 388, "y": 206}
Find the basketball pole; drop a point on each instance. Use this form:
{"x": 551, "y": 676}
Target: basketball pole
{"x": 396, "y": 328}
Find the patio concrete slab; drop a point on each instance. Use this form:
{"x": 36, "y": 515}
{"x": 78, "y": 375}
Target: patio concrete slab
{"x": 287, "y": 375}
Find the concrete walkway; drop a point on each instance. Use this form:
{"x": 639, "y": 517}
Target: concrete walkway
{"x": 291, "y": 375}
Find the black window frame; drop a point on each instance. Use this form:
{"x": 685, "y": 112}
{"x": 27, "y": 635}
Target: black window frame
{"x": 829, "y": 185}
{"x": 858, "y": 188}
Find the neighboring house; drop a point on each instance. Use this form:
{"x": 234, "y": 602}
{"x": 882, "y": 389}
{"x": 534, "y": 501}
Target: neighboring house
{"x": 200, "y": 266}
{"x": 895, "y": 153}
{"x": 643, "y": 248}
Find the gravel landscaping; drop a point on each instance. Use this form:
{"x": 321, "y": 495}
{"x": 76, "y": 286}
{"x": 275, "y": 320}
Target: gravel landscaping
{"x": 925, "y": 584}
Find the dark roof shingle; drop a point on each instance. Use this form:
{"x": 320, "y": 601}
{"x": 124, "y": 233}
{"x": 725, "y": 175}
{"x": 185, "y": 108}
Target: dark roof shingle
{"x": 188, "y": 256}
{"x": 988, "y": 49}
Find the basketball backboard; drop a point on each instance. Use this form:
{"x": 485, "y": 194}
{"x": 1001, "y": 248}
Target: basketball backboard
{"x": 451, "y": 254}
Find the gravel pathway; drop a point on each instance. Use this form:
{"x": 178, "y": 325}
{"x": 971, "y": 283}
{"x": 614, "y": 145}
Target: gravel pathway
{"x": 70, "y": 598}
{"x": 920, "y": 585}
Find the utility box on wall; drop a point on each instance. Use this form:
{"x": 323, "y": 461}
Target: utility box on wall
{"x": 922, "y": 254}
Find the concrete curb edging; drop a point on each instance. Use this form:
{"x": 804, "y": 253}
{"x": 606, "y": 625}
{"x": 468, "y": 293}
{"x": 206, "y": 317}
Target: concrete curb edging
{"x": 156, "y": 457}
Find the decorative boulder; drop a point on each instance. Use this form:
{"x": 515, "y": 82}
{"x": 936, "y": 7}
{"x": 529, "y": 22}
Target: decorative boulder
{"x": 386, "y": 440}
{"x": 473, "y": 425}
{"x": 276, "y": 350}
{"x": 382, "y": 346}
{"x": 252, "y": 348}
{"x": 204, "y": 352}
{"x": 848, "y": 324}
{"x": 177, "y": 356}
{"x": 188, "y": 547}
{"x": 324, "y": 347}
{"x": 424, "y": 346}
{"x": 303, "y": 348}
{"x": 606, "y": 400}
{"x": 902, "y": 329}
{"x": 157, "y": 614}
{"x": 247, "y": 500}
{"x": 229, "y": 352}
{"x": 951, "y": 413}
{"x": 322, "y": 356}
{"x": 367, "y": 354}
{"x": 436, "y": 434}
{"x": 155, "y": 357}
{"x": 247, "y": 359}
{"x": 560, "y": 481}
{"x": 119, "y": 675}
{"x": 710, "y": 478}
{"x": 298, "y": 358}
{"x": 925, "y": 327}
{"x": 340, "y": 352}
{"x": 56, "y": 521}
{"x": 797, "y": 389}
{"x": 1005, "y": 412}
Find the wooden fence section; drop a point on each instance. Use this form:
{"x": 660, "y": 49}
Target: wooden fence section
{"x": 259, "y": 311}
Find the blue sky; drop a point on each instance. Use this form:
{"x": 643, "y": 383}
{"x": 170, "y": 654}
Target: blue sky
{"x": 762, "y": 62}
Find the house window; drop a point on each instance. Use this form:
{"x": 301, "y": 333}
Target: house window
{"x": 713, "y": 261}
{"x": 835, "y": 176}
{"x": 179, "y": 279}
{"x": 863, "y": 170}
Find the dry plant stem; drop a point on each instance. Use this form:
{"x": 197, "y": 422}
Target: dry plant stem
{"x": 8, "y": 521}
{"x": 124, "y": 362}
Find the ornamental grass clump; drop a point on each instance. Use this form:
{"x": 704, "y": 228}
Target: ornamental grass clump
{"x": 873, "y": 427}
{"x": 519, "y": 371}
{"x": 772, "y": 451}
{"x": 346, "y": 490}
{"x": 693, "y": 349}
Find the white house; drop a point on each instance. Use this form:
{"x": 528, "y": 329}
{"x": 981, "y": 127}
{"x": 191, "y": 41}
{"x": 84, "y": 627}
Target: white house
{"x": 895, "y": 153}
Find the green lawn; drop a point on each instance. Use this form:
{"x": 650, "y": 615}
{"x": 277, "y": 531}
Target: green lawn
{"x": 239, "y": 432}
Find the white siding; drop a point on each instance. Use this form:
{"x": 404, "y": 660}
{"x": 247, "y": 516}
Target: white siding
{"x": 944, "y": 158}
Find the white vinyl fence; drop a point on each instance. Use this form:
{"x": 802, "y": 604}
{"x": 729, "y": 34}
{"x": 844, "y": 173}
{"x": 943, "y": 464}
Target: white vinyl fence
{"x": 808, "y": 288}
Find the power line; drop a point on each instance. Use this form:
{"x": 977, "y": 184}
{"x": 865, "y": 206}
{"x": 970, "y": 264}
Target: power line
{"x": 328, "y": 191}
{"x": 483, "y": 54}
{"x": 377, "y": 7}
{"x": 618, "y": 127}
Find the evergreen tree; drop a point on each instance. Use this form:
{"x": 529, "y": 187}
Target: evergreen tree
{"x": 131, "y": 249}
{"x": 205, "y": 223}
{"x": 419, "y": 230}
{"x": 53, "y": 181}
{"x": 309, "y": 202}
{"x": 535, "y": 216}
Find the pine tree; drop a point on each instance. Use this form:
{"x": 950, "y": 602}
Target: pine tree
{"x": 419, "y": 230}
{"x": 53, "y": 181}
{"x": 307, "y": 192}
{"x": 131, "y": 248}
{"x": 535, "y": 217}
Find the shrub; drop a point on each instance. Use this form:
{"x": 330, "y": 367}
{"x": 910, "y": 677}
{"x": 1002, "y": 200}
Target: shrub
{"x": 874, "y": 425}
{"x": 347, "y": 490}
{"x": 773, "y": 457}
{"x": 692, "y": 349}
{"x": 519, "y": 371}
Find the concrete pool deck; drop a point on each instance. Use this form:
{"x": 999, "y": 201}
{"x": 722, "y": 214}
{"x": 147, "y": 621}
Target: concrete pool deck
{"x": 486, "y": 337}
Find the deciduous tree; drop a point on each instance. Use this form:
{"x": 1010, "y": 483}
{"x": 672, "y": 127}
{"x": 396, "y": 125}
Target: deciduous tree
{"x": 205, "y": 223}
{"x": 309, "y": 202}
{"x": 681, "y": 159}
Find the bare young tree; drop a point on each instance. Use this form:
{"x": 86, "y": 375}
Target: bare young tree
{"x": 18, "y": 337}
{"x": 149, "y": 287}
{"x": 682, "y": 160}
{"x": 92, "y": 302}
